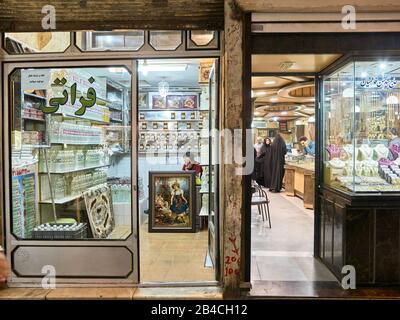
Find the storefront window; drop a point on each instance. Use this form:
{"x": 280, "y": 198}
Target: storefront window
{"x": 36, "y": 42}
{"x": 165, "y": 40}
{"x": 131, "y": 40}
{"x": 71, "y": 153}
{"x": 174, "y": 170}
{"x": 362, "y": 121}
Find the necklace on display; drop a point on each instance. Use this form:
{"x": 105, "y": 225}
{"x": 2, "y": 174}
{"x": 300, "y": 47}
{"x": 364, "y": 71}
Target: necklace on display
{"x": 381, "y": 151}
{"x": 366, "y": 152}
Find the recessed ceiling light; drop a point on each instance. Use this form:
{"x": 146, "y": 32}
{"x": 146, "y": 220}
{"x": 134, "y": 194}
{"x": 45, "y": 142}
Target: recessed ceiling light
{"x": 269, "y": 82}
{"x": 259, "y": 93}
{"x": 382, "y": 65}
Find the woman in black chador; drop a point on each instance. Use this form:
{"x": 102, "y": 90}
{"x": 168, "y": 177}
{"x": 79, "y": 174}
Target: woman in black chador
{"x": 263, "y": 164}
{"x": 278, "y": 150}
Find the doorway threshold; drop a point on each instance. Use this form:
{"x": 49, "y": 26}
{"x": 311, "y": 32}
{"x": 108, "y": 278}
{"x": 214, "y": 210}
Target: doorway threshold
{"x": 116, "y": 293}
{"x": 317, "y": 290}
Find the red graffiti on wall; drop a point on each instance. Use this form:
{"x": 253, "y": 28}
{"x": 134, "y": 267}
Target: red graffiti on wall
{"x": 232, "y": 262}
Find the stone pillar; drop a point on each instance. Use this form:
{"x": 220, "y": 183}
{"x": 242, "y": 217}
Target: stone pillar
{"x": 231, "y": 119}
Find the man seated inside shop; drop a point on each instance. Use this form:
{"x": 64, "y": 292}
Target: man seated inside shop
{"x": 308, "y": 146}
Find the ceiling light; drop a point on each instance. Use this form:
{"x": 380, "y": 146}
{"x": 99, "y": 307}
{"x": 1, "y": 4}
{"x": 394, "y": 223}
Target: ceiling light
{"x": 269, "y": 82}
{"x": 348, "y": 93}
{"x": 162, "y": 67}
{"x": 260, "y": 93}
{"x": 298, "y": 123}
{"x": 392, "y": 100}
{"x": 273, "y": 99}
{"x": 284, "y": 113}
{"x": 116, "y": 70}
{"x": 257, "y": 113}
{"x": 275, "y": 119}
{"x": 382, "y": 65}
{"x": 311, "y": 119}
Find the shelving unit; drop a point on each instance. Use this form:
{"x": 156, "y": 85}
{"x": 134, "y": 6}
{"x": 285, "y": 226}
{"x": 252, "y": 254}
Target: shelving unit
{"x": 77, "y": 170}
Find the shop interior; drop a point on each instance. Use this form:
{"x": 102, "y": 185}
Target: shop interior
{"x": 360, "y": 155}
{"x": 284, "y": 100}
{"x": 72, "y": 167}
{"x": 174, "y": 118}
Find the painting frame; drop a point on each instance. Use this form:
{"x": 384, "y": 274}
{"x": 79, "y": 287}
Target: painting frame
{"x": 189, "y": 191}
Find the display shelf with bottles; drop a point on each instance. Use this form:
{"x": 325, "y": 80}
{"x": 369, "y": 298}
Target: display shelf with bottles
{"x": 173, "y": 125}
{"x": 362, "y": 122}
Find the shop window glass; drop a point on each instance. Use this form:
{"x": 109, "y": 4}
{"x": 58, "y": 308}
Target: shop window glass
{"x": 165, "y": 40}
{"x": 131, "y": 40}
{"x": 36, "y": 42}
{"x": 71, "y": 153}
{"x": 202, "y": 38}
{"x": 362, "y": 122}
{"x": 173, "y": 168}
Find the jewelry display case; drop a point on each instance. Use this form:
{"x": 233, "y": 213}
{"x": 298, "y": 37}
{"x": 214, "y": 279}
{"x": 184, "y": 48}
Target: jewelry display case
{"x": 358, "y": 169}
{"x": 361, "y": 127}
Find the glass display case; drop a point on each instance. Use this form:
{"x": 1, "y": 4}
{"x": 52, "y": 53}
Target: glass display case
{"x": 361, "y": 118}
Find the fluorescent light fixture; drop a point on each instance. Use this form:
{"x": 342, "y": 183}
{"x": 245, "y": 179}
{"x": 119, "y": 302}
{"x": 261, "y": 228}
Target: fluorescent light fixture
{"x": 382, "y": 65}
{"x": 269, "y": 82}
{"x": 275, "y": 119}
{"x": 273, "y": 99}
{"x": 392, "y": 100}
{"x": 259, "y": 93}
{"x": 162, "y": 67}
{"x": 284, "y": 113}
{"x": 116, "y": 70}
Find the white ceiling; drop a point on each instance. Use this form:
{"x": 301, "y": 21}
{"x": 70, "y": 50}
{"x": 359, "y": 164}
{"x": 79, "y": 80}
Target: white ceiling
{"x": 187, "y": 78}
{"x": 300, "y": 62}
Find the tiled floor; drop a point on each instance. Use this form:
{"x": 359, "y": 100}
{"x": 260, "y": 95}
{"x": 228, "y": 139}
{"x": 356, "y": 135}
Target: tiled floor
{"x": 174, "y": 257}
{"x": 284, "y": 253}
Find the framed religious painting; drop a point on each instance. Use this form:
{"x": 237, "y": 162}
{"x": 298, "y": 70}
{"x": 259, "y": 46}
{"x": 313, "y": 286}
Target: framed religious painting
{"x": 172, "y": 201}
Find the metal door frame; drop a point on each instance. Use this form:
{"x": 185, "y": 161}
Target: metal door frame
{"x": 12, "y": 243}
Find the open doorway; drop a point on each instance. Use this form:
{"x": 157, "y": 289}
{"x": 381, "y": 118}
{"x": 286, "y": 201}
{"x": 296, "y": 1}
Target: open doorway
{"x": 284, "y": 97}
{"x": 178, "y": 217}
